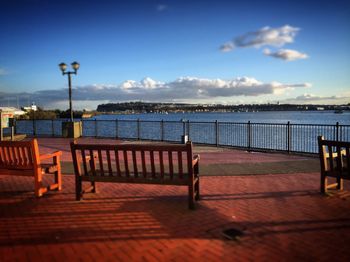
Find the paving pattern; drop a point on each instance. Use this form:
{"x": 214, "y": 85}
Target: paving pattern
{"x": 283, "y": 218}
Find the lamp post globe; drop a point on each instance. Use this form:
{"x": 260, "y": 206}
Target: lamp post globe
{"x": 63, "y": 67}
{"x": 75, "y": 65}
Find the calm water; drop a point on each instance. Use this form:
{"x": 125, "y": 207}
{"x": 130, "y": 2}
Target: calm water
{"x": 268, "y": 130}
{"x": 306, "y": 117}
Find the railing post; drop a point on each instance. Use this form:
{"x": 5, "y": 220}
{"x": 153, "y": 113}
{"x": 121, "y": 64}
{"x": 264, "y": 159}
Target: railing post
{"x": 183, "y": 127}
{"x": 34, "y": 127}
{"x": 162, "y": 130}
{"x": 52, "y": 128}
{"x": 96, "y": 128}
{"x": 12, "y": 133}
{"x": 15, "y": 125}
{"x": 249, "y": 135}
{"x": 1, "y": 129}
{"x": 138, "y": 129}
{"x": 288, "y": 137}
{"x": 337, "y": 131}
{"x": 81, "y": 127}
{"x": 183, "y": 137}
{"x": 116, "y": 128}
{"x": 217, "y": 132}
{"x": 188, "y": 130}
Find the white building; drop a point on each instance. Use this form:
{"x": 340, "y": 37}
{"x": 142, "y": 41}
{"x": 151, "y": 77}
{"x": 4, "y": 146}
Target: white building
{"x": 12, "y": 111}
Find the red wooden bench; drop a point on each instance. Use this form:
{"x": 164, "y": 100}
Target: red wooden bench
{"x": 335, "y": 162}
{"x": 136, "y": 163}
{"x": 22, "y": 158}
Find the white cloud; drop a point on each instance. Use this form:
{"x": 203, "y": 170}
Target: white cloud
{"x": 286, "y": 54}
{"x": 266, "y": 36}
{"x": 190, "y": 89}
{"x": 316, "y": 99}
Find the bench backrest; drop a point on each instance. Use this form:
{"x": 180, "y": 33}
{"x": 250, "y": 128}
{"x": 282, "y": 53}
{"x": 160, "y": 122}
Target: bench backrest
{"x": 19, "y": 154}
{"x": 330, "y": 151}
{"x": 133, "y": 160}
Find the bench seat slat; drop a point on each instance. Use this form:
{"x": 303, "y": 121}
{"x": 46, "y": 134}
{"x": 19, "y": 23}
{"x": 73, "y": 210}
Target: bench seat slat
{"x": 110, "y": 171}
{"x": 179, "y": 160}
{"x": 11, "y": 157}
{"x": 126, "y": 163}
{"x": 100, "y": 161}
{"x": 92, "y": 162}
{"x": 153, "y": 168}
{"x": 143, "y": 160}
{"x": 171, "y": 166}
{"x": 161, "y": 163}
{"x": 116, "y": 154}
{"x": 134, "y": 161}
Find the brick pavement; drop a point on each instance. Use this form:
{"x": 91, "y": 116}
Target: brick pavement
{"x": 283, "y": 217}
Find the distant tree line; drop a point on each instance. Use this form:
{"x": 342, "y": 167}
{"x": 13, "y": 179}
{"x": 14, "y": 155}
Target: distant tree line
{"x": 40, "y": 113}
{"x": 137, "y": 107}
{"x": 142, "y": 107}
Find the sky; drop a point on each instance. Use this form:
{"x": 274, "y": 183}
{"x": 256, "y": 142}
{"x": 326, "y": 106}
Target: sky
{"x": 226, "y": 52}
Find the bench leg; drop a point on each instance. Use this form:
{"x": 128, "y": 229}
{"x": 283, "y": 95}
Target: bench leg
{"x": 58, "y": 179}
{"x": 94, "y": 189}
{"x": 78, "y": 188}
{"x": 196, "y": 188}
{"x": 38, "y": 183}
{"x": 339, "y": 183}
{"x": 191, "y": 197}
{"x": 323, "y": 184}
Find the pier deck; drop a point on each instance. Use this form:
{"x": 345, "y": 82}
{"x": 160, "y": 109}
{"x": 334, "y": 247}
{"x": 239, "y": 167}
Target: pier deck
{"x": 273, "y": 199}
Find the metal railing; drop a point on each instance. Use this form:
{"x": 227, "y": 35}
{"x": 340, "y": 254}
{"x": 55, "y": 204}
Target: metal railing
{"x": 300, "y": 138}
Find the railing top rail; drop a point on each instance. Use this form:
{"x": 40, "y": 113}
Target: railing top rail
{"x": 192, "y": 122}
{"x": 324, "y": 125}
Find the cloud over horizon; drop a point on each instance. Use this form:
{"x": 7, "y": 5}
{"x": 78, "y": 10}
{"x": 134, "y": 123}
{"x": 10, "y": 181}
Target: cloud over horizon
{"x": 315, "y": 99}
{"x": 181, "y": 89}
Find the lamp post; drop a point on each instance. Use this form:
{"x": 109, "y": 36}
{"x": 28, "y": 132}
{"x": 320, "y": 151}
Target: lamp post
{"x": 63, "y": 67}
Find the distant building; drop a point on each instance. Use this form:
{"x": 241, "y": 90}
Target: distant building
{"x": 6, "y": 113}
{"x": 86, "y": 115}
{"x": 30, "y": 108}
{"x": 12, "y": 111}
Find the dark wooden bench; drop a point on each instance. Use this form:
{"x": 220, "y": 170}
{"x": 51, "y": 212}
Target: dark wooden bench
{"x": 22, "y": 158}
{"x": 136, "y": 163}
{"x": 335, "y": 162}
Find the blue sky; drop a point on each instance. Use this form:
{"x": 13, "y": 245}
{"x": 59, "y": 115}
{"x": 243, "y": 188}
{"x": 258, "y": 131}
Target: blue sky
{"x": 175, "y": 51}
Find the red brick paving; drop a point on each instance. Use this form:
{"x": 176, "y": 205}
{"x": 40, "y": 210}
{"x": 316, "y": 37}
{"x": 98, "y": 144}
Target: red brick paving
{"x": 283, "y": 216}
{"x": 221, "y": 156}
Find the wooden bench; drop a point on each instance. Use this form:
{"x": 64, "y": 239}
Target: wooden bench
{"x": 136, "y": 163}
{"x": 335, "y": 162}
{"x": 22, "y": 158}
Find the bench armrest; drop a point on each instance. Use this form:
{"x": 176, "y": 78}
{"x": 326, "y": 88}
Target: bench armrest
{"x": 51, "y": 155}
{"x": 195, "y": 159}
